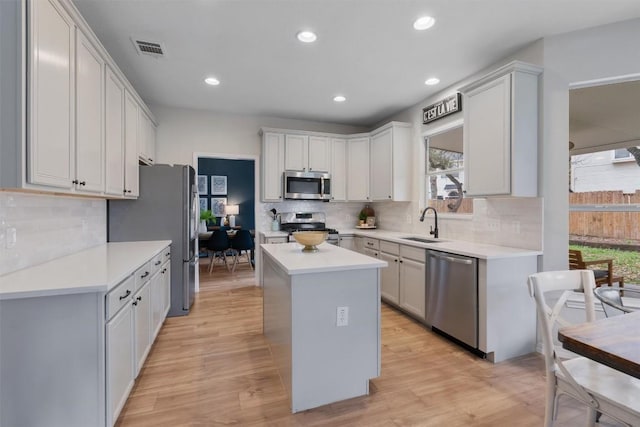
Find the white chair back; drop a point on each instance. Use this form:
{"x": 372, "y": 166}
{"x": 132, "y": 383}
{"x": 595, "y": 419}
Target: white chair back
{"x": 548, "y": 284}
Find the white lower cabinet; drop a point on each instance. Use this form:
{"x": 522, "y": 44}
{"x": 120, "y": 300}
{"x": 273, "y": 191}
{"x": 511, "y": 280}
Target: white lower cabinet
{"x": 142, "y": 324}
{"x": 403, "y": 281}
{"x": 135, "y": 311}
{"x": 413, "y": 281}
{"x": 390, "y": 278}
{"x": 348, "y": 242}
{"x": 120, "y": 372}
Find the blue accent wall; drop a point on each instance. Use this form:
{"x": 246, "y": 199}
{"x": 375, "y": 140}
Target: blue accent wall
{"x": 240, "y": 186}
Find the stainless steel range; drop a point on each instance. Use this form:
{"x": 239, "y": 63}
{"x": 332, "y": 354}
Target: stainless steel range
{"x": 307, "y": 221}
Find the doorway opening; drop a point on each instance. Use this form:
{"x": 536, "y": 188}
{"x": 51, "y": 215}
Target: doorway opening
{"x": 228, "y": 198}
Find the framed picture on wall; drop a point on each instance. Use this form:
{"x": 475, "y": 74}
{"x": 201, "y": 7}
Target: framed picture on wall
{"x": 217, "y": 205}
{"x": 202, "y": 184}
{"x": 203, "y": 204}
{"x": 218, "y": 185}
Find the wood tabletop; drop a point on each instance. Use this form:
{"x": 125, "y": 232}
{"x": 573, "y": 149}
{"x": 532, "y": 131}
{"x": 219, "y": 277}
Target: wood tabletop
{"x": 614, "y": 342}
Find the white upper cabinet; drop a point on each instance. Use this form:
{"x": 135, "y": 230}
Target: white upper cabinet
{"x": 272, "y": 166}
{"x": 51, "y": 102}
{"x": 391, "y": 163}
{"x": 358, "y": 169}
{"x": 146, "y": 138}
{"x": 114, "y": 135}
{"x": 90, "y": 158}
{"x": 501, "y": 132}
{"x": 319, "y": 153}
{"x": 79, "y": 136}
{"x": 338, "y": 169}
{"x": 307, "y": 153}
{"x": 130, "y": 146}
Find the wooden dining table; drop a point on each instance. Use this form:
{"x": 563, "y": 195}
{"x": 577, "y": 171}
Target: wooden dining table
{"x": 614, "y": 341}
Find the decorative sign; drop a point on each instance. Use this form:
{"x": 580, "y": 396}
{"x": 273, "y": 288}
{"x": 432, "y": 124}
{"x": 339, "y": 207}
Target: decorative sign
{"x": 449, "y": 105}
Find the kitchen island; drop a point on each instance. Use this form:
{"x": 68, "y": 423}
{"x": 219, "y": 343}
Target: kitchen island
{"x": 322, "y": 321}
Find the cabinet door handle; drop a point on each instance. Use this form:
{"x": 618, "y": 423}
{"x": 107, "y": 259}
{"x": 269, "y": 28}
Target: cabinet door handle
{"x": 401, "y": 261}
{"x": 139, "y": 299}
{"x": 134, "y": 303}
{"x": 83, "y": 182}
{"x": 167, "y": 254}
{"x": 75, "y": 181}
{"x": 157, "y": 263}
{"x": 164, "y": 270}
{"x": 125, "y": 295}
{"x": 395, "y": 260}
{"x": 146, "y": 273}
{"x": 150, "y": 159}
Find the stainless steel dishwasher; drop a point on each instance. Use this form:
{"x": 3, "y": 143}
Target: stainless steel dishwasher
{"x": 452, "y": 296}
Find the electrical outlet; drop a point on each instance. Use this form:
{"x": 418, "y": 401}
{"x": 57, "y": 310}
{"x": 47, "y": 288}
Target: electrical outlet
{"x": 342, "y": 316}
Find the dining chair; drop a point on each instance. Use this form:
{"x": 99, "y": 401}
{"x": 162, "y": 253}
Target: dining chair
{"x": 613, "y": 300}
{"x": 243, "y": 241}
{"x": 602, "y": 389}
{"x": 218, "y": 245}
{"x": 602, "y": 276}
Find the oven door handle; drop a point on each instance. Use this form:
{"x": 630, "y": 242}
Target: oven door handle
{"x": 322, "y": 188}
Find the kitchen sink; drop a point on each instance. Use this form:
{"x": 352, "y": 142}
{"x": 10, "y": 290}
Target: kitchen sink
{"x": 421, "y": 239}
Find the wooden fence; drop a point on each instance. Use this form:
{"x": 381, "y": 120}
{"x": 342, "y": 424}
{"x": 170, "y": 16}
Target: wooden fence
{"x": 607, "y": 225}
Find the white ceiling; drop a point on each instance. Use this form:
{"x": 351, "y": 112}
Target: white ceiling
{"x": 366, "y": 49}
{"x": 604, "y": 117}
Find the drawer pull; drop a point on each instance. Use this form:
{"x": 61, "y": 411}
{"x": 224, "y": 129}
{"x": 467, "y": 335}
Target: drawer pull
{"x": 167, "y": 254}
{"x": 157, "y": 263}
{"x": 125, "y": 295}
{"x": 134, "y": 303}
{"x": 146, "y": 273}
{"x": 139, "y": 299}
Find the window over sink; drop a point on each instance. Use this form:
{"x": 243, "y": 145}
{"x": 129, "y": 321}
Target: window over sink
{"x": 444, "y": 177}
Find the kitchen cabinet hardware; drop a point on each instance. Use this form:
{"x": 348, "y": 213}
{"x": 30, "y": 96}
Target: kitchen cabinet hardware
{"x": 157, "y": 263}
{"x": 146, "y": 273}
{"x": 167, "y": 254}
{"x": 134, "y": 303}
{"x": 83, "y": 182}
{"x": 139, "y": 299}
{"x": 75, "y": 181}
{"x": 125, "y": 295}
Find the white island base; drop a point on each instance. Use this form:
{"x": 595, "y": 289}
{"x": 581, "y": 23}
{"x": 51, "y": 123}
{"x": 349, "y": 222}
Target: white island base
{"x": 320, "y": 362}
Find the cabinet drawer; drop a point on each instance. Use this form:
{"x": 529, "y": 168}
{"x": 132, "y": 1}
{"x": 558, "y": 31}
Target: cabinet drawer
{"x": 155, "y": 263}
{"x": 277, "y": 239}
{"x": 142, "y": 275}
{"x": 119, "y": 296}
{"x": 390, "y": 248}
{"x": 371, "y": 243}
{"x": 166, "y": 254}
{"x": 410, "y": 252}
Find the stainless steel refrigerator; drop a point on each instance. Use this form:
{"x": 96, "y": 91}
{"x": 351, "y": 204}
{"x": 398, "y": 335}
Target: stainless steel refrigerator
{"x": 166, "y": 209}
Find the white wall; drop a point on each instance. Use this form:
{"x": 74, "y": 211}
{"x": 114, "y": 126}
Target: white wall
{"x": 47, "y": 227}
{"x": 181, "y": 132}
{"x": 602, "y": 172}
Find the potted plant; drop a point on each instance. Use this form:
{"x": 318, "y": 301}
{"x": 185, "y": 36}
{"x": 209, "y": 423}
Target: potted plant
{"x": 362, "y": 217}
{"x": 206, "y": 217}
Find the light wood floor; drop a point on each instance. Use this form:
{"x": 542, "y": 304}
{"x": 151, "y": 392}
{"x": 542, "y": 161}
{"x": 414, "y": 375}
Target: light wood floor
{"x": 214, "y": 368}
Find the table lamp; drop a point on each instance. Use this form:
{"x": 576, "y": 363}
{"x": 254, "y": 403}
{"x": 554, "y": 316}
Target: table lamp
{"x": 232, "y": 211}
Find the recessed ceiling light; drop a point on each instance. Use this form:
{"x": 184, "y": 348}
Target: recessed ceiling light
{"x": 212, "y": 81}
{"x": 432, "y": 81}
{"x": 306, "y": 36}
{"x": 424, "y": 23}
{"x": 339, "y": 98}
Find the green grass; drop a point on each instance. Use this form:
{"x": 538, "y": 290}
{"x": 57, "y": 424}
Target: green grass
{"x": 625, "y": 263}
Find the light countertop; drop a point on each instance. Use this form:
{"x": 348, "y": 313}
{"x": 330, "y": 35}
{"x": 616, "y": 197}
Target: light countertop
{"x": 97, "y": 269}
{"x": 329, "y": 257}
{"x": 459, "y": 247}
{"x": 270, "y": 233}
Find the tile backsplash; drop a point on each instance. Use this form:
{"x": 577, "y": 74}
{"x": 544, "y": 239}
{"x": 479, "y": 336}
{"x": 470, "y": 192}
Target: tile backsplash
{"x": 339, "y": 215}
{"x": 36, "y": 228}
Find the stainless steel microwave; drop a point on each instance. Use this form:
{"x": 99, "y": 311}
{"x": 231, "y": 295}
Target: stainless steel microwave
{"x": 307, "y": 185}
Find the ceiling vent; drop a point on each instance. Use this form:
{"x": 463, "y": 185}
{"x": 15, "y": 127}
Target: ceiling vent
{"x": 148, "y": 48}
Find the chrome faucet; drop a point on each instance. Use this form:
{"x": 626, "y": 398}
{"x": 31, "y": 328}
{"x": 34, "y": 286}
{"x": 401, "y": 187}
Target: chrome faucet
{"x": 434, "y": 231}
